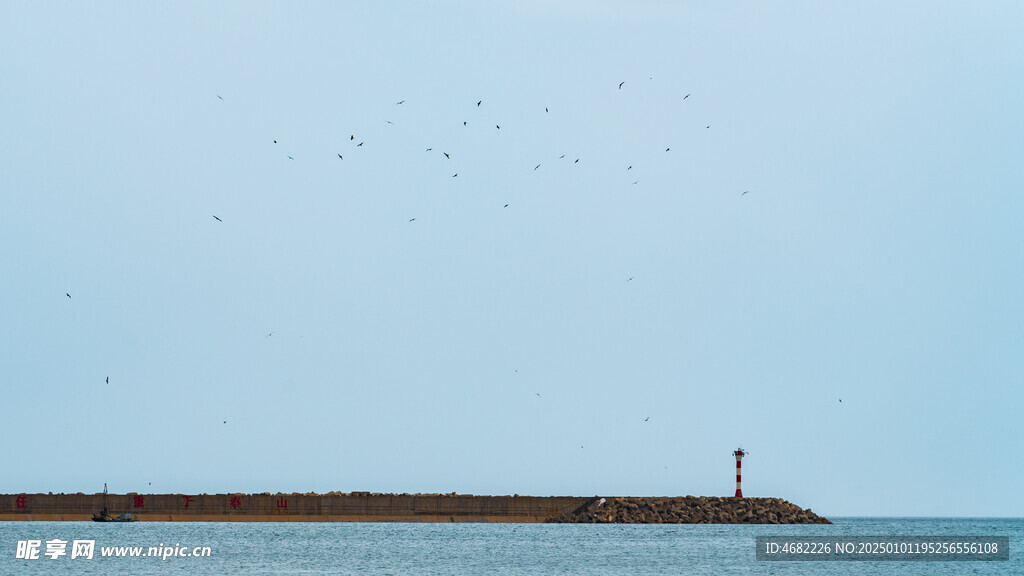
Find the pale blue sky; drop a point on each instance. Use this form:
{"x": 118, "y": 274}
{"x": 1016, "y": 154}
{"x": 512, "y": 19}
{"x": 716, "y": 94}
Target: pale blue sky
{"x": 878, "y": 258}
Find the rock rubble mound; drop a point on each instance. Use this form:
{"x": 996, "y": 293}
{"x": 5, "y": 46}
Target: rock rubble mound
{"x": 690, "y": 510}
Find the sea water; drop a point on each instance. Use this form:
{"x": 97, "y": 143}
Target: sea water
{"x": 400, "y": 548}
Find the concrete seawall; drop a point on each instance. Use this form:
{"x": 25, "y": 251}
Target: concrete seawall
{"x": 332, "y": 507}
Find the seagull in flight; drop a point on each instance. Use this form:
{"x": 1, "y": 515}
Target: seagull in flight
{"x": 630, "y": 279}
{"x": 745, "y": 192}
{"x": 646, "y": 419}
{"x": 630, "y": 167}
{"x": 411, "y": 219}
{"x": 506, "y": 205}
{"x": 402, "y": 102}
{"x": 454, "y": 175}
{"x": 562, "y": 156}
{"x": 352, "y": 137}
{"x": 68, "y": 295}
{"x": 499, "y": 127}
{"x": 360, "y": 144}
{"x": 685, "y": 97}
{"x": 621, "y": 83}
{"x": 535, "y": 167}
{"x": 545, "y": 108}
{"x": 428, "y": 149}
{"x": 290, "y": 158}
{"x": 478, "y": 103}
{"x": 577, "y": 161}
{"x": 218, "y": 96}
{"x": 214, "y": 217}
{"x": 447, "y": 156}
{"x": 108, "y": 379}
{"x": 340, "y": 156}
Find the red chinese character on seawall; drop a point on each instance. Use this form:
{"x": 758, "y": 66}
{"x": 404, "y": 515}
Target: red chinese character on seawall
{"x": 187, "y": 500}
{"x": 139, "y": 502}
{"x": 282, "y": 502}
{"x": 21, "y": 502}
{"x": 236, "y": 502}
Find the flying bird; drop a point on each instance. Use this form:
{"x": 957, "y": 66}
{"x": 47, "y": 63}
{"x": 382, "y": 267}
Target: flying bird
{"x": 667, "y": 149}
{"x": 536, "y": 393}
{"x": 535, "y": 167}
{"x": 463, "y": 123}
{"x": 360, "y": 144}
{"x": 218, "y": 96}
{"x": 428, "y": 149}
{"x": 646, "y": 419}
{"x": 447, "y": 156}
{"x": 275, "y": 141}
{"x": 290, "y": 158}
{"x": 506, "y": 205}
{"x": 562, "y": 156}
{"x": 108, "y": 379}
{"x": 68, "y": 295}
{"x": 478, "y": 103}
{"x": 411, "y": 219}
{"x": 636, "y": 182}
{"x": 454, "y": 175}
{"x": 499, "y": 127}
{"x": 630, "y": 167}
{"x": 630, "y": 279}
{"x": 840, "y": 400}
{"x": 340, "y": 156}
{"x": 685, "y": 97}
{"x": 708, "y": 126}
{"x": 745, "y": 192}
{"x": 545, "y": 108}
{"x": 352, "y": 137}
{"x": 577, "y": 161}
{"x": 621, "y": 83}
{"x": 225, "y": 421}
{"x": 402, "y": 102}
{"x": 217, "y": 219}
{"x": 389, "y": 121}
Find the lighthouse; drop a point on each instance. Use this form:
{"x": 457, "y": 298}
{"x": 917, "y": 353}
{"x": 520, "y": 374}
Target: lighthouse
{"x": 739, "y": 454}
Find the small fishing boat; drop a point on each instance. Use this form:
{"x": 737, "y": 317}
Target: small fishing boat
{"x": 103, "y": 516}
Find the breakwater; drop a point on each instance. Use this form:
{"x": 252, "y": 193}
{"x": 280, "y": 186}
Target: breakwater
{"x": 375, "y": 507}
{"x": 691, "y": 510}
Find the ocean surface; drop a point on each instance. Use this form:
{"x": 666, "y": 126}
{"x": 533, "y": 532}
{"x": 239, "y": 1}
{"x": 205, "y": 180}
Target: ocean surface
{"x": 393, "y": 548}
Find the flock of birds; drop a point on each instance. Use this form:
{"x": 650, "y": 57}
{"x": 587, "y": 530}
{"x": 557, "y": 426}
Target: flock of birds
{"x": 479, "y": 103}
{"x": 447, "y": 155}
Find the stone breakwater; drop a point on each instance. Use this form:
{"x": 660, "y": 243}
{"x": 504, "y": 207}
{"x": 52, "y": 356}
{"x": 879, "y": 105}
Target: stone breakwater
{"x": 690, "y": 510}
{"x": 376, "y": 507}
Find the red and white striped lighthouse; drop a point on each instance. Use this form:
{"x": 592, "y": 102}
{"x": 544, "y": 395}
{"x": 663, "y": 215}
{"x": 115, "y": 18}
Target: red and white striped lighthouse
{"x": 739, "y": 454}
